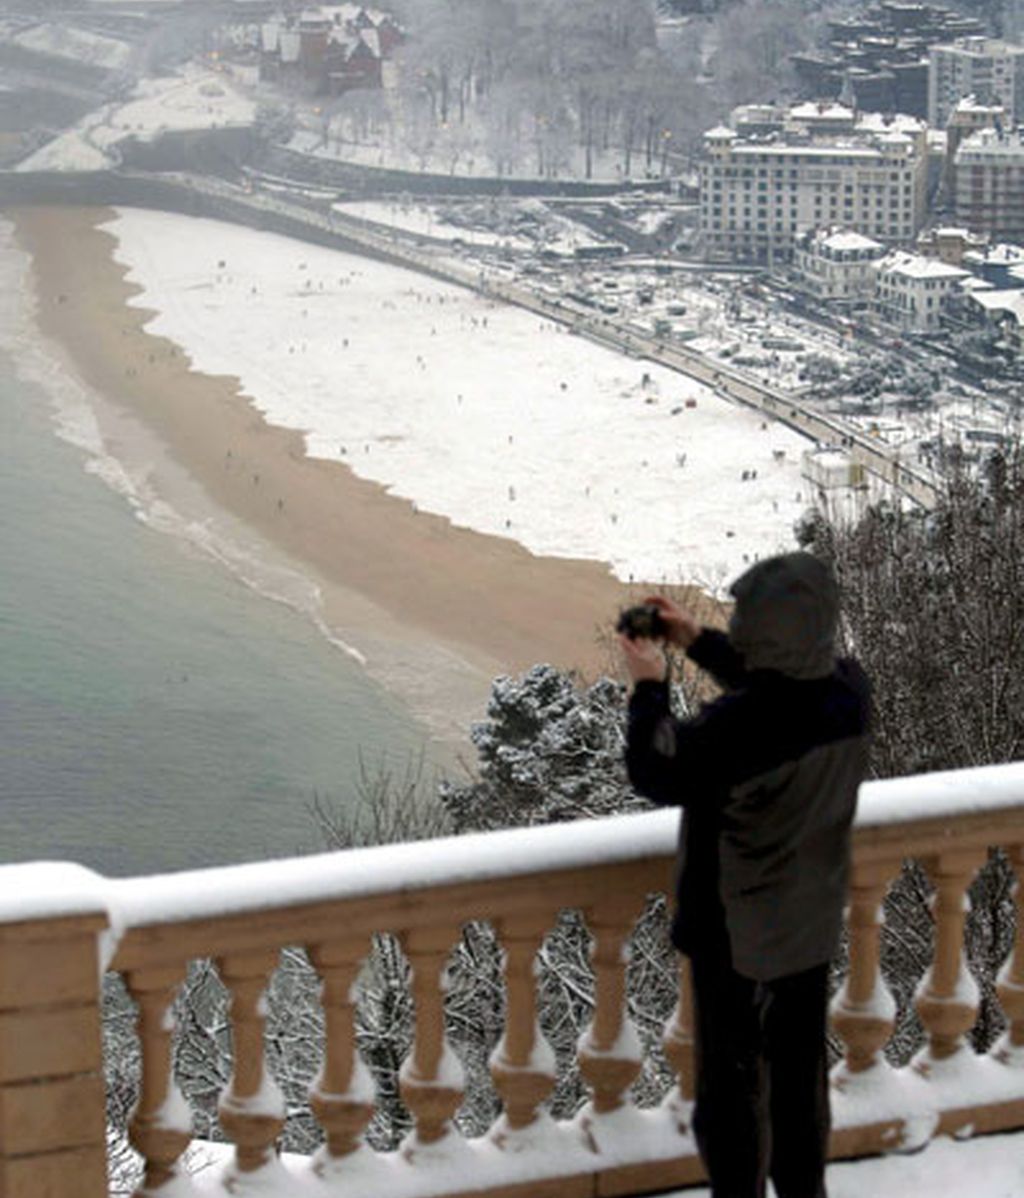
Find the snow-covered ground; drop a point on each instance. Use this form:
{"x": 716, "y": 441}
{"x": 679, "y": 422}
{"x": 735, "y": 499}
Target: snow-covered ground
{"x": 461, "y": 150}
{"x": 989, "y": 1167}
{"x": 424, "y": 221}
{"x": 193, "y": 99}
{"x": 484, "y": 413}
{"x": 549, "y": 230}
{"x": 79, "y": 45}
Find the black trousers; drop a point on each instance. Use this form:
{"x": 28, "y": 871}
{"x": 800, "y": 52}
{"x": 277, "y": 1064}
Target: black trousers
{"x": 762, "y": 1105}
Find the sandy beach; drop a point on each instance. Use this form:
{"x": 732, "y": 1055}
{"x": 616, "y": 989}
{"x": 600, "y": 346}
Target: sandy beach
{"x": 436, "y": 610}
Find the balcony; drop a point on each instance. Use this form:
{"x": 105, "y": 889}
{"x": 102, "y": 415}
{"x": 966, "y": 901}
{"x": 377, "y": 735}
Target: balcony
{"x": 57, "y": 921}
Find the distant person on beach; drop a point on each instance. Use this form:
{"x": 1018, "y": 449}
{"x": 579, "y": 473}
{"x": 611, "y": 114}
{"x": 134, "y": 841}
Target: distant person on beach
{"x": 767, "y": 776}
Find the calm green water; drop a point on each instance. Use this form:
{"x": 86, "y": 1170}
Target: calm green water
{"x": 155, "y": 713}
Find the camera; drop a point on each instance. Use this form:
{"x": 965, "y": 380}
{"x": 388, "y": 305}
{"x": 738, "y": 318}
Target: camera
{"x": 643, "y": 620}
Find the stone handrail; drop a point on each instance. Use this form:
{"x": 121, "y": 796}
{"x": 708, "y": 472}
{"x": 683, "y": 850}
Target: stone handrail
{"x": 56, "y": 919}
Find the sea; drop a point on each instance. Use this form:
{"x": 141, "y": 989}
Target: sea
{"x": 157, "y": 711}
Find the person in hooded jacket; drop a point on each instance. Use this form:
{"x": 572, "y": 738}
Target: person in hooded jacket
{"x": 767, "y": 776}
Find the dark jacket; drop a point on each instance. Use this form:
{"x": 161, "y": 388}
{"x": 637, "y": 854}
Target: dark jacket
{"x": 767, "y": 774}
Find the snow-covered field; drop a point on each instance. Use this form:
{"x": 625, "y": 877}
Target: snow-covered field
{"x": 423, "y": 221}
{"x": 501, "y": 421}
{"x": 551, "y": 231}
{"x": 79, "y": 45}
{"x": 194, "y": 99}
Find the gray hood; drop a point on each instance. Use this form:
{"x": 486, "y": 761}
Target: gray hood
{"x": 785, "y": 616}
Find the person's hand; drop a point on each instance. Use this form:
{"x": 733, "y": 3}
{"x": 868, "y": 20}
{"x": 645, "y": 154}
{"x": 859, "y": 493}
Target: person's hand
{"x": 644, "y": 659}
{"x": 682, "y": 628}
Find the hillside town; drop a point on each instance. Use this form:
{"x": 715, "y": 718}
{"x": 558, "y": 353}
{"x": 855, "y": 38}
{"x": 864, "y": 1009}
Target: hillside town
{"x": 857, "y": 245}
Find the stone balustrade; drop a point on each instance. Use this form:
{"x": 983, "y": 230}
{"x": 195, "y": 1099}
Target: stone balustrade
{"x": 57, "y": 922}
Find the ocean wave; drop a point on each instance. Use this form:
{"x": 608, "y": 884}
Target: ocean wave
{"x": 41, "y": 363}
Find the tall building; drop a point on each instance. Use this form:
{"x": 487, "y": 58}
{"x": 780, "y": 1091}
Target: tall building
{"x": 760, "y": 195}
{"x": 880, "y": 55}
{"x": 989, "y": 173}
{"x": 989, "y": 69}
{"x": 967, "y": 117}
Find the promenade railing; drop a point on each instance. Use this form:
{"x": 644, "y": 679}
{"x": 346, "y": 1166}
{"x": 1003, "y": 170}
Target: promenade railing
{"x": 61, "y": 927}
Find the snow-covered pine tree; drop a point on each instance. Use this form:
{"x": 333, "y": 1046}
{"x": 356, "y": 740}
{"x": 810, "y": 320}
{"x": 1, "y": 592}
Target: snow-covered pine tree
{"x": 550, "y": 749}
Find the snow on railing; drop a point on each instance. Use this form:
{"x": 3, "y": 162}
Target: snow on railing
{"x": 55, "y": 918}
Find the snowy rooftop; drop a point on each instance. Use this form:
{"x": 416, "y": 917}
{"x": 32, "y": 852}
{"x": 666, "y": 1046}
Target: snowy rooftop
{"x": 835, "y": 147}
{"x": 991, "y": 141}
{"x": 892, "y": 137}
{"x": 829, "y": 458}
{"x": 1011, "y": 302}
{"x": 972, "y": 283}
{"x": 845, "y": 239}
{"x": 915, "y": 266}
{"x": 815, "y": 110}
{"x": 1003, "y": 254}
{"x": 876, "y": 122}
{"x": 976, "y": 45}
{"x": 973, "y": 104}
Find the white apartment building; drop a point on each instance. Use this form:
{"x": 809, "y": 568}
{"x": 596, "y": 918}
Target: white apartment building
{"x": 984, "y": 67}
{"x": 837, "y": 265}
{"x": 989, "y": 183}
{"x": 910, "y": 290}
{"x": 759, "y": 196}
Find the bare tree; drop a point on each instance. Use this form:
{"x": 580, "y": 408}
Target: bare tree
{"x": 934, "y": 609}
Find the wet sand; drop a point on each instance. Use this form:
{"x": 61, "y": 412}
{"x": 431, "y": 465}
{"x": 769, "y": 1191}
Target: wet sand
{"x": 437, "y": 610}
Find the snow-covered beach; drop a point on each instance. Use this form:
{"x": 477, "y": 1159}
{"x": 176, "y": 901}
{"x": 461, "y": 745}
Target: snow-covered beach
{"x": 456, "y": 476}
{"x": 479, "y": 412}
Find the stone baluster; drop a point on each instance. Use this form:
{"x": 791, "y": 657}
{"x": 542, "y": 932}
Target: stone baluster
{"x": 609, "y": 1052}
{"x": 678, "y": 1042}
{"x": 251, "y": 1110}
{"x": 947, "y": 998}
{"x": 522, "y": 1064}
{"x": 864, "y": 1012}
{"x": 431, "y": 1080}
{"x": 1010, "y": 986}
{"x": 342, "y": 1096}
{"x": 161, "y": 1124}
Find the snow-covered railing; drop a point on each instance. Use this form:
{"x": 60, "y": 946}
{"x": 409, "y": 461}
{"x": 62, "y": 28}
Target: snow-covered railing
{"x": 55, "y": 919}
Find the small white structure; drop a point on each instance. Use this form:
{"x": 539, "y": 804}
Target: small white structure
{"x": 1005, "y": 309}
{"x": 910, "y": 290}
{"x": 838, "y": 264}
{"x": 829, "y": 469}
